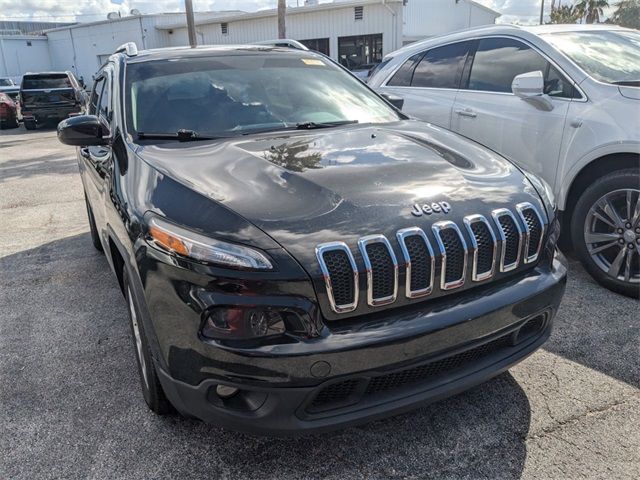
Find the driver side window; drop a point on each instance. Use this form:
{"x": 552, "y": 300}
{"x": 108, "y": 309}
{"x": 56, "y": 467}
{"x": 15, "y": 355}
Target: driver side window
{"x": 98, "y": 85}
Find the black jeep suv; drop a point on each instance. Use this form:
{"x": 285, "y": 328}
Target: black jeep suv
{"x": 298, "y": 255}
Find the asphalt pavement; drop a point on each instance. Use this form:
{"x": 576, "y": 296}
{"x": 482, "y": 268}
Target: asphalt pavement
{"x": 71, "y": 406}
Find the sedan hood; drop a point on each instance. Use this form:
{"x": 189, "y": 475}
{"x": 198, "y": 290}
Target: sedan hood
{"x": 304, "y": 188}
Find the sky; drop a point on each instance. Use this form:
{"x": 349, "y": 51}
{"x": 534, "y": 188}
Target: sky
{"x": 520, "y": 11}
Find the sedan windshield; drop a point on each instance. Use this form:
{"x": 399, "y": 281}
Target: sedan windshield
{"x": 241, "y": 94}
{"x": 609, "y": 56}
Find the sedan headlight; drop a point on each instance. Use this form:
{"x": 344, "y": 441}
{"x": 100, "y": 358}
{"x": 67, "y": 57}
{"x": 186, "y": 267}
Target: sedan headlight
{"x": 187, "y": 243}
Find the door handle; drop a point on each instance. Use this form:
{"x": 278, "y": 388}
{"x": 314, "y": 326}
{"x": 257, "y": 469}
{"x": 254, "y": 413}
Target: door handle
{"x": 84, "y": 153}
{"x": 467, "y": 112}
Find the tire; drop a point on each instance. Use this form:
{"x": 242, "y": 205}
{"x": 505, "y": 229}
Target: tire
{"x": 95, "y": 238}
{"x": 30, "y": 124}
{"x": 605, "y": 228}
{"x": 152, "y": 391}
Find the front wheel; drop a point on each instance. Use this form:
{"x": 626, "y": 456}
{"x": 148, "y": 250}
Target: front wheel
{"x": 605, "y": 226}
{"x": 152, "y": 391}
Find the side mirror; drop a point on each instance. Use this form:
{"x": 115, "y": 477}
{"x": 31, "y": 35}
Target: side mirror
{"x": 530, "y": 88}
{"x": 394, "y": 100}
{"x": 83, "y": 131}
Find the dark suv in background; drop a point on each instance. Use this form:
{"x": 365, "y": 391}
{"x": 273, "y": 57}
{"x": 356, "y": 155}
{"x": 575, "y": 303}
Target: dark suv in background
{"x": 297, "y": 255}
{"x": 50, "y": 96}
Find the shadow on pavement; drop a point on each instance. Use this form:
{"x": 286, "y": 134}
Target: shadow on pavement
{"x": 72, "y": 403}
{"x": 597, "y": 328}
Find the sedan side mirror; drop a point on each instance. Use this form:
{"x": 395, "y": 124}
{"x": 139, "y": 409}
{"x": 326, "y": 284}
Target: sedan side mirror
{"x": 394, "y": 100}
{"x": 83, "y": 131}
{"x": 530, "y": 88}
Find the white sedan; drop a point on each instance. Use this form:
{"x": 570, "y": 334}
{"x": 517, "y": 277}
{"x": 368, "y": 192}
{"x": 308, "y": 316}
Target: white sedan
{"x": 561, "y": 101}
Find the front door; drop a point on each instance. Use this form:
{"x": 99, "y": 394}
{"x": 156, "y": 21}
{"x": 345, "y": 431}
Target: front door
{"x": 485, "y": 110}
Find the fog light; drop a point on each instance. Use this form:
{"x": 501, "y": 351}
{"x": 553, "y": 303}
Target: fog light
{"x": 239, "y": 322}
{"x": 225, "y": 391}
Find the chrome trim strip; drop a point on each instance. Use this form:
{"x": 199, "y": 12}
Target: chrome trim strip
{"x": 521, "y": 207}
{"x": 437, "y": 228}
{"x": 497, "y": 214}
{"x": 362, "y": 245}
{"x": 401, "y": 235}
{"x": 328, "y": 247}
{"x": 469, "y": 220}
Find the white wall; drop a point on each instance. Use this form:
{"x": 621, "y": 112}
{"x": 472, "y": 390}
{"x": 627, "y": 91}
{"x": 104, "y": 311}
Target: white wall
{"x": 331, "y": 23}
{"x": 83, "y": 48}
{"x": 17, "y": 57}
{"x": 428, "y": 18}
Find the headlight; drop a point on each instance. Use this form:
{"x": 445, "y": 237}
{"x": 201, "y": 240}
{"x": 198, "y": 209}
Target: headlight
{"x": 186, "y": 243}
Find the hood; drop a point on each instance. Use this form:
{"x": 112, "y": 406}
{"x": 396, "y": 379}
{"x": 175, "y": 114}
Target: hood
{"x": 304, "y": 188}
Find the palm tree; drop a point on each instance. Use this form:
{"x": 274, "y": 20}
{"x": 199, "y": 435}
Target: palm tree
{"x": 564, "y": 14}
{"x": 591, "y": 10}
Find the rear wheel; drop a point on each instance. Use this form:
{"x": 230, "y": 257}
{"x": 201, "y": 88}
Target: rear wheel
{"x": 152, "y": 390}
{"x": 605, "y": 227}
{"x": 30, "y": 124}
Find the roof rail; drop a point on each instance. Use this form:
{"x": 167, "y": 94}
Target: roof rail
{"x": 130, "y": 49}
{"x": 283, "y": 42}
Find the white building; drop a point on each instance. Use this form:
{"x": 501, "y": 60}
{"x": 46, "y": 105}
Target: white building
{"x": 354, "y": 32}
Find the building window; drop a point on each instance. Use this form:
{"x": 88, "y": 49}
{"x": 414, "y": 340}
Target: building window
{"x": 360, "y": 51}
{"x": 359, "y": 12}
{"x": 225, "y": 28}
{"x": 318, "y": 44}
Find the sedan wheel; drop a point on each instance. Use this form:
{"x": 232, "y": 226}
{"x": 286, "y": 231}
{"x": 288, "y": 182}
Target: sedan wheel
{"x": 605, "y": 227}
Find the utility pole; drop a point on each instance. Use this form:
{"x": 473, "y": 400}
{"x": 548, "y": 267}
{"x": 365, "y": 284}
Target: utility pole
{"x": 542, "y": 12}
{"x": 282, "y": 7}
{"x": 191, "y": 27}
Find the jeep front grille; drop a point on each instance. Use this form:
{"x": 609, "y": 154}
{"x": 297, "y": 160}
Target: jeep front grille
{"x": 419, "y": 261}
{"x": 453, "y": 250}
{"x": 340, "y": 275}
{"x": 484, "y": 245}
{"x": 382, "y": 269}
{"x": 484, "y": 248}
{"x": 511, "y": 235}
{"x": 534, "y": 230}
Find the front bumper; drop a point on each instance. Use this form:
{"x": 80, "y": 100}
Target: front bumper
{"x": 380, "y": 368}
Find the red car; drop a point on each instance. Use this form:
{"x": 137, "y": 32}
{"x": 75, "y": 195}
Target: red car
{"x": 8, "y": 112}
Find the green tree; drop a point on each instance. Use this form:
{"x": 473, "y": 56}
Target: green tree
{"x": 627, "y": 14}
{"x": 564, "y": 14}
{"x": 591, "y": 10}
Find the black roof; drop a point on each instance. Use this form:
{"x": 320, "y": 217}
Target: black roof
{"x": 214, "y": 51}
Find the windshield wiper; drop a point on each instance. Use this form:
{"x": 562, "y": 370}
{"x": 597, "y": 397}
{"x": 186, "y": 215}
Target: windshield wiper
{"x": 628, "y": 83}
{"x": 182, "y": 135}
{"x": 312, "y": 125}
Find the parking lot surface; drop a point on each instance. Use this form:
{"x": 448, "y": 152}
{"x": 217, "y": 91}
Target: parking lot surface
{"x": 71, "y": 406}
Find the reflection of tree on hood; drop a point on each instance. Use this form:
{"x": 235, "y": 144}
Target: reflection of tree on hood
{"x": 292, "y": 156}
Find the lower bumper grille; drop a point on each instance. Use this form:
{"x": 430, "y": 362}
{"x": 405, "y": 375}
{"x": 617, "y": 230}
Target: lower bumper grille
{"x": 353, "y": 390}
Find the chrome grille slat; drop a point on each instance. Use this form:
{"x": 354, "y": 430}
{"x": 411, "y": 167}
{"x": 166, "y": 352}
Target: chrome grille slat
{"x": 438, "y": 228}
{"x": 321, "y": 251}
{"x": 410, "y": 267}
{"x": 477, "y": 273}
{"x": 497, "y": 244}
{"x": 507, "y": 216}
{"x": 525, "y": 210}
{"x": 374, "y": 270}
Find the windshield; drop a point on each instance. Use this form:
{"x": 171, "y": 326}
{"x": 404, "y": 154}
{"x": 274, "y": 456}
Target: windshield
{"x": 42, "y": 82}
{"x": 608, "y": 56}
{"x": 5, "y": 82}
{"x": 233, "y": 95}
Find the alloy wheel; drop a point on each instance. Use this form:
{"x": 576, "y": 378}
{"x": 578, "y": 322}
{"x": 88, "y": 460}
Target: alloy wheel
{"x": 612, "y": 234}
